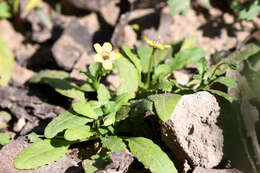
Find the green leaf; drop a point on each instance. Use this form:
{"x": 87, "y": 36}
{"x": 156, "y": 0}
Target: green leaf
{"x": 90, "y": 166}
{"x": 179, "y": 6}
{"x": 33, "y": 137}
{"x": 229, "y": 82}
{"x": 4, "y": 139}
{"x": 189, "y": 42}
{"x": 103, "y": 94}
{"x": 160, "y": 71}
{"x": 128, "y": 76}
{"x": 53, "y": 74}
{"x": 41, "y": 153}
{"x": 151, "y": 155}
{"x": 93, "y": 69}
{"x": 65, "y": 120}
{"x": 6, "y": 63}
{"x": 165, "y": 104}
{"x": 85, "y": 109}
{"x": 87, "y": 87}
{"x": 136, "y": 115}
{"x": 78, "y": 133}
{"x": 202, "y": 66}
{"x": 122, "y": 113}
{"x": 186, "y": 57}
{"x": 57, "y": 80}
{"x": 240, "y": 55}
{"x": 133, "y": 58}
{"x": 161, "y": 55}
{"x": 5, "y": 10}
{"x": 228, "y": 97}
{"x": 110, "y": 119}
{"x": 122, "y": 99}
{"x": 5, "y": 117}
{"x": 165, "y": 85}
{"x": 205, "y": 3}
{"x": 94, "y": 164}
{"x": 113, "y": 143}
{"x": 145, "y": 53}
{"x": 250, "y": 12}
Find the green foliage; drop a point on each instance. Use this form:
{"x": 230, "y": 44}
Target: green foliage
{"x": 84, "y": 108}
{"x": 103, "y": 94}
{"x": 113, "y": 143}
{"x": 4, "y": 139}
{"x": 179, "y": 6}
{"x": 78, "y": 133}
{"x": 5, "y": 117}
{"x": 128, "y": 77}
{"x": 5, "y": 10}
{"x": 59, "y": 81}
{"x": 164, "y": 104}
{"x": 109, "y": 114}
{"x": 6, "y": 63}
{"x": 41, "y": 153}
{"x": 151, "y": 155}
{"x": 65, "y": 120}
{"x": 33, "y": 137}
{"x": 145, "y": 52}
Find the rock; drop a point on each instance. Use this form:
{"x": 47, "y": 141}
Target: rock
{"x": 113, "y": 80}
{"x": 74, "y": 42}
{"x": 203, "y": 170}
{"x": 41, "y": 23}
{"x": 11, "y": 150}
{"x": 192, "y": 133}
{"x": 182, "y": 76}
{"x": 21, "y": 75}
{"x": 91, "y": 22}
{"x": 120, "y": 162}
{"x": 11, "y": 37}
{"x": 81, "y": 65}
{"x": 110, "y": 12}
{"x": 93, "y": 5}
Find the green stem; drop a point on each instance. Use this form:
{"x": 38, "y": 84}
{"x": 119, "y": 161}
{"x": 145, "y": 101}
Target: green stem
{"x": 149, "y": 70}
{"x": 97, "y": 78}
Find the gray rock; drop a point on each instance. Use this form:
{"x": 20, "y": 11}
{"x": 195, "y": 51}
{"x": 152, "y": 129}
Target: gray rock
{"x": 89, "y": 4}
{"x": 192, "y": 133}
{"x": 203, "y": 170}
{"x": 10, "y": 151}
{"x": 73, "y": 43}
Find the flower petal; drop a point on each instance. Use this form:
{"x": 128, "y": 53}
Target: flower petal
{"x": 114, "y": 55}
{"x": 98, "y": 58}
{"x": 149, "y": 42}
{"x": 107, "y": 64}
{"x": 107, "y": 47}
{"x": 97, "y": 47}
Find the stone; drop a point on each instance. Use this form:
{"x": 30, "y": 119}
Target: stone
{"x": 192, "y": 134}
{"x": 203, "y": 170}
{"x": 110, "y": 12}
{"x": 21, "y": 75}
{"x": 12, "y": 38}
{"x": 74, "y": 42}
{"x": 93, "y": 5}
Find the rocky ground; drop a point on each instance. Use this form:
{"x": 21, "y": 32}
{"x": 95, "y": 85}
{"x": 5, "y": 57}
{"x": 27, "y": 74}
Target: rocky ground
{"x": 48, "y": 39}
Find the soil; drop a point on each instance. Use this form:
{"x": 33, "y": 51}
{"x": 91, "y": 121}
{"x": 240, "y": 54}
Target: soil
{"x": 59, "y": 35}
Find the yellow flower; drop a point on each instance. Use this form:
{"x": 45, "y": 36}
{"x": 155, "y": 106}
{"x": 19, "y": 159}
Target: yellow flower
{"x": 156, "y": 43}
{"x": 105, "y": 55}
